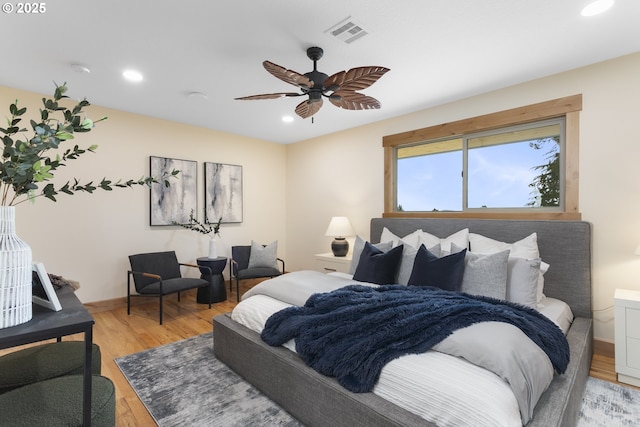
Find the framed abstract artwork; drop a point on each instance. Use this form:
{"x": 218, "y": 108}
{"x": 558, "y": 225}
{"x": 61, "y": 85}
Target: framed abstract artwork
{"x": 223, "y": 192}
{"x": 173, "y": 203}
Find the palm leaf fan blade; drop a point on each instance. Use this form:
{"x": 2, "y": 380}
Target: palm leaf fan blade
{"x": 269, "y": 96}
{"x": 288, "y": 76}
{"x": 355, "y": 79}
{"x": 307, "y": 108}
{"x": 354, "y": 101}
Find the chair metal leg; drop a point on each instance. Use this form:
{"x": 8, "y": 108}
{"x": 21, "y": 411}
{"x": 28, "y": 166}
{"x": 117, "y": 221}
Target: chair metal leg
{"x": 238, "y": 289}
{"x": 128, "y": 294}
{"x": 161, "y": 309}
{"x": 210, "y": 290}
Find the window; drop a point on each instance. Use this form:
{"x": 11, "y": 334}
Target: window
{"x": 520, "y": 162}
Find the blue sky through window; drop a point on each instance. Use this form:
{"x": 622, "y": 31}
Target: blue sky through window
{"x": 499, "y": 177}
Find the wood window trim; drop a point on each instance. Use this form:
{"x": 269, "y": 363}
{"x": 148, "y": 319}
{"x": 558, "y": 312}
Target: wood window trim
{"x": 568, "y": 107}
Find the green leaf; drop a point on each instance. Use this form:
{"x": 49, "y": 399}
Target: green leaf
{"x": 87, "y": 123}
{"x": 64, "y": 136}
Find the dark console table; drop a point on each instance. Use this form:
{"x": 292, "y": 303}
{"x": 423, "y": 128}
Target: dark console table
{"x": 219, "y": 290}
{"x": 46, "y": 324}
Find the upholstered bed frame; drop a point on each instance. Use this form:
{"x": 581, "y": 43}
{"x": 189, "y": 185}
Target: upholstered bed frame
{"x": 317, "y": 400}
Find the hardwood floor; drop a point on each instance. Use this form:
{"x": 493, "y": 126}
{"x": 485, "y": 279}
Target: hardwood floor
{"x": 118, "y": 335}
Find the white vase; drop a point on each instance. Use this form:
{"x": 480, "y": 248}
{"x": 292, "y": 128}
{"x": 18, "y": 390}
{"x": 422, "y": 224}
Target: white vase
{"x": 15, "y": 272}
{"x": 213, "y": 247}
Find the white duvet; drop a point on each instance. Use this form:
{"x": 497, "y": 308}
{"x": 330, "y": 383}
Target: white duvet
{"x": 451, "y": 392}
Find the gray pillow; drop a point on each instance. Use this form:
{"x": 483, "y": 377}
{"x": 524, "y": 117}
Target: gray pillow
{"x": 358, "y": 245}
{"x": 263, "y": 256}
{"x": 522, "y": 281}
{"x": 486, "y": 275}
{"x": 406, "y": 262}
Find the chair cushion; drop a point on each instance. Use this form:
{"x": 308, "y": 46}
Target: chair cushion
{"x": 58, "y": 402}
{"x": 44, "y": 362}
{"x": 252, "y": 273}
{"x": 173, "y": 285}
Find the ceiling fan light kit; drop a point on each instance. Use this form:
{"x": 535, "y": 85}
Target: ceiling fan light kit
{"x": 340, "y": 88}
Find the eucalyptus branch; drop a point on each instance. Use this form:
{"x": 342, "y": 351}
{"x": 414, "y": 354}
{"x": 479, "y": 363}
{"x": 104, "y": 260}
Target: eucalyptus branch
{"x": 201, "y": 227}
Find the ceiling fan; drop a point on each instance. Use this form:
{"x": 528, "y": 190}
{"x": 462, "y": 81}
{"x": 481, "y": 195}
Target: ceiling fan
{"x": 339, "y": 88}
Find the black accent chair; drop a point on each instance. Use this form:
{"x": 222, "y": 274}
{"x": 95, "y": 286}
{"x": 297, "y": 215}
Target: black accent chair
{"x": 157, "y": 274}
{"x": 239, "y": 268}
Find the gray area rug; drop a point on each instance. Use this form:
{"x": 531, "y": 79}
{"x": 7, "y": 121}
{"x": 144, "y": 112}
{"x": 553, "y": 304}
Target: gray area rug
{"x": 184, "y": 384}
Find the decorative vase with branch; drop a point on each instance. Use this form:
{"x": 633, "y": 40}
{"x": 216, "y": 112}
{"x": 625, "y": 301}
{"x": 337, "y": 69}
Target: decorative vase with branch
{"x": 29, "y": 161}
{"x": 207, "y": 228}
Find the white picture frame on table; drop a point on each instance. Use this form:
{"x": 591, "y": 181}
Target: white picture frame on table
{"x": 42, "y": 290}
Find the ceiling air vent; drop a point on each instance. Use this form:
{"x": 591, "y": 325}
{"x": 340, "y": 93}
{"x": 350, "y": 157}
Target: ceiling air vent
{"x": 348, "y": 30}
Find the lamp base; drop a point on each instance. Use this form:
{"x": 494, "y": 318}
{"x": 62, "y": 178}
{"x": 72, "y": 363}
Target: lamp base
{"x": 340, "y": 247}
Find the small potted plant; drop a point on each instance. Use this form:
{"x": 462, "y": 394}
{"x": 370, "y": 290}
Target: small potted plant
{"x": 206, "y": 228}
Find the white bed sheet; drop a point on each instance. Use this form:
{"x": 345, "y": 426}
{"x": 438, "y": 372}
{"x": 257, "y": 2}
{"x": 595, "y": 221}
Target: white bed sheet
{"x": 452, "y": 392}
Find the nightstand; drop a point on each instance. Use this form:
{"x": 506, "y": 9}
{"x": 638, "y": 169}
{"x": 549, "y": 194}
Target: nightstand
{"x": 328, "y": 263}
{"x": 627, "y": 336}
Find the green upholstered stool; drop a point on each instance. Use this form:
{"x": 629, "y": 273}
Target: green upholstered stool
{"x": 44, "y": 362}
{"x": 58, "y": 402}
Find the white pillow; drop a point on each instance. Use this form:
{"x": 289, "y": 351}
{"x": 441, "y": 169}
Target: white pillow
{"x": 526, "y": 248}
{"x": 540, "y": 294}
{"x": 412, "y": 239}
{"x": 459, "y": 238}
{"x": 263, "y": 256}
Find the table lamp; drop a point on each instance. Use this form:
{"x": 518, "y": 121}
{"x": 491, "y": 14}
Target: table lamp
{"x": 339, "y": 228}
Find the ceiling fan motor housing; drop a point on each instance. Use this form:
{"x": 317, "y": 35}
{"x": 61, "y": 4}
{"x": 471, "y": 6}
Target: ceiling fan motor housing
{"x": 315, "y": 92}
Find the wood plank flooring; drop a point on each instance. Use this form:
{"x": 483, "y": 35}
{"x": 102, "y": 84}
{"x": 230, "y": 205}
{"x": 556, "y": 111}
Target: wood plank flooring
{"x": 118, "y": 335}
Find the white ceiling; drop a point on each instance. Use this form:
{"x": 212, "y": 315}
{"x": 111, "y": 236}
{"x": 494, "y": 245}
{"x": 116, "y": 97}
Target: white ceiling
{"x": 438, "y": 51}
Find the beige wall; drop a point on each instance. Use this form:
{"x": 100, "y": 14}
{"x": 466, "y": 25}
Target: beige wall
{"x": 88, "y": 237}
{"x": 342, "y": 174}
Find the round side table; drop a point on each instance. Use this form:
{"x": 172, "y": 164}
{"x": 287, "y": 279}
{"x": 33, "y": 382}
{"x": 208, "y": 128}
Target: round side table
{"x": 219, "y": 290}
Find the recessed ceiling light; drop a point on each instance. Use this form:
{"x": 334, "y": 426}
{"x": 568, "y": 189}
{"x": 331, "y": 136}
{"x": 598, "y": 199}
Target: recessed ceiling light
{"x": 132, "y": 75}
{"x": 287, "y": 119}
{"x": 596, "y": 7}
{"x": 78, "y": 68}
{"x": 197, "y": 95}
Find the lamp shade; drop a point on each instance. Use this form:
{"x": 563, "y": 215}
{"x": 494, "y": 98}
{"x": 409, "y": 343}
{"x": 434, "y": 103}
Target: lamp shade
{"x": 637, "y": 251}
{"x": 340, "y": 227}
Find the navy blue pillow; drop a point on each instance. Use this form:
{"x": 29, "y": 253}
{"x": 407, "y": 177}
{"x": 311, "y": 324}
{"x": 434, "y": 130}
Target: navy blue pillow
{"x": 445, "y": 273}
{"x": 376, "y": 266}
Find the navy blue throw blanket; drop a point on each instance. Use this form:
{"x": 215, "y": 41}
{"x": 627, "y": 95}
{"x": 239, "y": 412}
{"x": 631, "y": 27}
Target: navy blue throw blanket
{"x": 352, "y": 332}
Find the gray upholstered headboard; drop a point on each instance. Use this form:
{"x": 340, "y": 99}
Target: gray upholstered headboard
{"x": 564, "y": 245}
